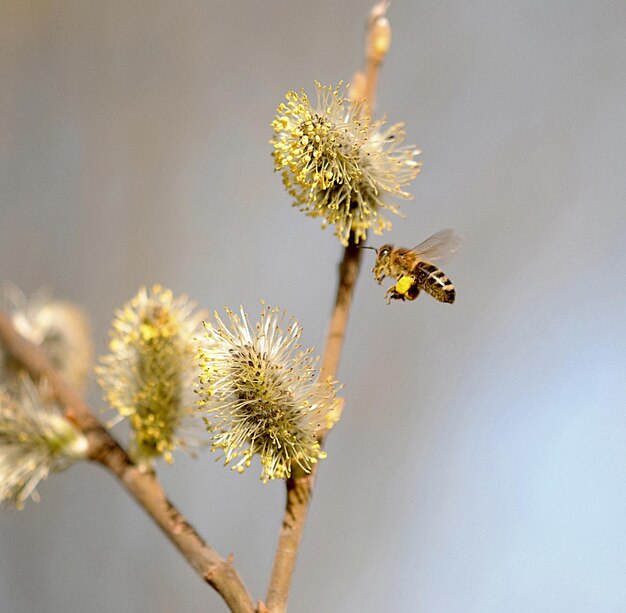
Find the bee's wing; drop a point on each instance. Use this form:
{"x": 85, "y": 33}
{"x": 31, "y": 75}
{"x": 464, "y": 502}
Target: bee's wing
{"x": 440, "y": 245}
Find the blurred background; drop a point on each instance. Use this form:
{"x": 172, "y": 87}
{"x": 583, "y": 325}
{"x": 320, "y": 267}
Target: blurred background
{"x": 480, "y": 466}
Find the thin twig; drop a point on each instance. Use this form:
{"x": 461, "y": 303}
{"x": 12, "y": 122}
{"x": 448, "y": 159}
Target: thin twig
{"x": 300, "y": 485}
{"x": 348, "y": 274}
{"x": 376, "y": 48}
{"x": 142, "y": 486}
{"x": 299, "y": 490}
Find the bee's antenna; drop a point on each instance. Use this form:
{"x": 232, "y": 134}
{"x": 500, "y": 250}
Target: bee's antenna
{"x": 364, "y": 247}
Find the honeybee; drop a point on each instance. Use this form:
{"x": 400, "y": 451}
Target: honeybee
{"x": 413, "y": 270}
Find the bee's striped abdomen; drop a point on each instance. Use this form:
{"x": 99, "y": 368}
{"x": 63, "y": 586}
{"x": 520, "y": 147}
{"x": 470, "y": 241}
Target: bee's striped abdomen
{"x": 434, "y": 281}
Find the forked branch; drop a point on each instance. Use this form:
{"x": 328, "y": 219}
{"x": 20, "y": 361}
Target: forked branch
{"x": 143, "y": 486}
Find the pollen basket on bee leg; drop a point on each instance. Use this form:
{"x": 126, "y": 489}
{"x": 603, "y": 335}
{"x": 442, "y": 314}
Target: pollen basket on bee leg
{"x": 404, "y": 284}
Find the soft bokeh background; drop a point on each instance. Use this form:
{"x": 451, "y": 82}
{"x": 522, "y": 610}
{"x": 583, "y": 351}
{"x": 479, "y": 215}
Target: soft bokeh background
{"x": 481, "y": 463}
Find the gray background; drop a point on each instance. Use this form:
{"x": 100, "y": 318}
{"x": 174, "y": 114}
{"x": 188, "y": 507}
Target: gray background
{"x": 481, "y": 462}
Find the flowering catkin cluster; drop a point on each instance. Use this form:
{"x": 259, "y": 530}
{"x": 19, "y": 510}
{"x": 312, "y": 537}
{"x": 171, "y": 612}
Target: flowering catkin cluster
{"x": 35, "y": 439}
{"x": 339, "y": 165}
{"x": 59, "y": 328}
{"x": 149, "y": 373}
{"x": 261, "y": 394}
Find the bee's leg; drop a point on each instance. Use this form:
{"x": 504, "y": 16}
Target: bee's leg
{"x": 406, "y": 288}
{"x": 393, "y": 294}
{"x": 405, "y": 284}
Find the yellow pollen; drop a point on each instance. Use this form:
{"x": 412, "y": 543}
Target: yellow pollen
{"x": 404, "y": 284}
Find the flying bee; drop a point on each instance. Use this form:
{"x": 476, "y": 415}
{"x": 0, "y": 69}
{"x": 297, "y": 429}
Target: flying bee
{"x": 413, "y": 268}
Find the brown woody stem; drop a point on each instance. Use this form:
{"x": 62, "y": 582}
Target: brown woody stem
{"x": 143, "y": 486}
{"x": 300, "y": 485}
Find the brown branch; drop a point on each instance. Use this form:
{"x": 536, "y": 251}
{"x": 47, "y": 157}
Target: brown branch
{"x": 299, "y": 491}
{"x": 376, "y": 47}
{"x": 300, "y": 485}
{"x": 348, "y": 274}
{"x": 142, "y": 486}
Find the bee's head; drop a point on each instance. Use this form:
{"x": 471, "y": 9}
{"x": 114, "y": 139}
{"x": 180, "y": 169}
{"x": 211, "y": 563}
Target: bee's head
{"x": 381, "y": 266}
